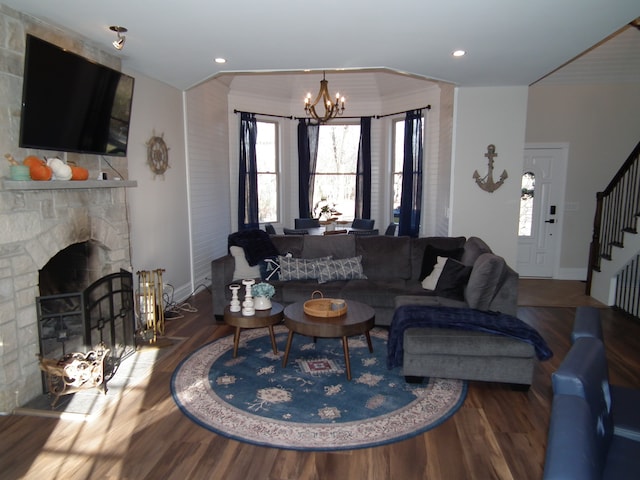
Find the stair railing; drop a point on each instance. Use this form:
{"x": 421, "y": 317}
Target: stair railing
{"x": 617, "y": 211}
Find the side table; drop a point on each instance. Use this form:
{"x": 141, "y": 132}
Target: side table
{"x": 262, "y": 318}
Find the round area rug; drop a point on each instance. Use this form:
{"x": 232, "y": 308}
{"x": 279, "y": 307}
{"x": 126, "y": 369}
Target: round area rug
{"x": 309, "y": 404}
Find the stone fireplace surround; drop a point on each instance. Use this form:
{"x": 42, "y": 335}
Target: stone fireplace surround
{"x": 34, "y": 226}
{"x": 37, "y": 223}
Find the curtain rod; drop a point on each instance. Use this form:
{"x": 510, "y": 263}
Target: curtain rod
{"x": 428, "y": 107}
{"x": 265, "y": 114}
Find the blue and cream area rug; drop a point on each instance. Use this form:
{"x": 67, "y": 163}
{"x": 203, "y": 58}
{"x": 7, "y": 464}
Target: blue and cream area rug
{"x": 309, "y": 404}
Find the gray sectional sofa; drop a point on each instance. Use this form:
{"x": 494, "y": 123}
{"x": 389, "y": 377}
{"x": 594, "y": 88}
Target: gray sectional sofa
{"x": 386, "y": 272}
{"x": 392, "y": 267}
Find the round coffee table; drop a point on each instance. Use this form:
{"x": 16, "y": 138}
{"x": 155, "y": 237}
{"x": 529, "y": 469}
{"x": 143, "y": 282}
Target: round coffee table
{"x": 262, "y": 318}
{"x": 359, "y": 319}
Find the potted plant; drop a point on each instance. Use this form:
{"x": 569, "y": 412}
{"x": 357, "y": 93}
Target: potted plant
{"x": 262, "y": 293}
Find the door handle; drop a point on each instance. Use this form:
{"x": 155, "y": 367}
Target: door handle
{"x": 553, "y": 220}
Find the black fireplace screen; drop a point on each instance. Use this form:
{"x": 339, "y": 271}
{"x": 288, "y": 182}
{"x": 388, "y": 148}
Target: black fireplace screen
{"x": 77, "y": 322}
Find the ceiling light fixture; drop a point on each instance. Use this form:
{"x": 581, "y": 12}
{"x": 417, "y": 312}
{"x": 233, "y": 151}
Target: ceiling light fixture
{"x": 220, "y": 60}
{"x": 459, "y": 53}
{"x": 331, "y": 109}
{"x": 118, "y": 43}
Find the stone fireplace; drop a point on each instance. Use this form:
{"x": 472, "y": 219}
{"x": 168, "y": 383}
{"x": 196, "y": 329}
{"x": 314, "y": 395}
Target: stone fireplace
{"x": 40, "y": 219}
{"x": 37, "y": 222}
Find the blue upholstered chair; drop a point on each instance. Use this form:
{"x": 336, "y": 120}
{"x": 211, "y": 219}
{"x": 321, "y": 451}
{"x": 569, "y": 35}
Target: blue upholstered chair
{"x": 391, "y": 229}
{"x": 363, "y": 223}
{"x": 625, "y": 402}
{"x": 581, "y": 441}
{"x": 306, "y": 223}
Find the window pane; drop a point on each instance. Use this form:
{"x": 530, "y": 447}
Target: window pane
{"x": 267, "y": 162}
{"x": 398, "y": 160}
{"x": 335, "y": 179}
{"x": 266, "y": 147}
{"x": 526, "y": 204}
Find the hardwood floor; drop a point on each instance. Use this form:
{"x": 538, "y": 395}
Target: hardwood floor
{"x": 497, "y": 434}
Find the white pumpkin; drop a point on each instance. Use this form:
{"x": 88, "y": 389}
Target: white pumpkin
{"x": 61, "y": 171}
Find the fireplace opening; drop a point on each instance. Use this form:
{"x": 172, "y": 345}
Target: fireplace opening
{"x": 79, "y": 308}
{"x": 68, "y": 270}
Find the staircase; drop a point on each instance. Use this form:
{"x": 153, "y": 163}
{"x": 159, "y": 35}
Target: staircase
{"x": 614, "y": 255}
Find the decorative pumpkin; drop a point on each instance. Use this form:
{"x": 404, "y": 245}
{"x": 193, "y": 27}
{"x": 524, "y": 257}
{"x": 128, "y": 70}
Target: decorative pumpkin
{"x": 40, "y": 172}
{"x": 32, "y": 160}
{"x": 61, "y": 171}
{"x": 79, "y": 173}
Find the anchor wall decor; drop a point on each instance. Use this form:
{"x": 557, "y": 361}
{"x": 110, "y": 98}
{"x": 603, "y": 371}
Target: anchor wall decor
{"x": 486, "y": 183}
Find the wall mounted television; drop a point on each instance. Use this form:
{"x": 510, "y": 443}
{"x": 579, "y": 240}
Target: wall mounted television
{"x": 72, "y": 104}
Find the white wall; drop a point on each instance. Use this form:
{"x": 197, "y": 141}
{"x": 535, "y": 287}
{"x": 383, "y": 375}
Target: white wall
{"x": 600, "y": 124}
{"x": 158, "y": 205}
{"x": 483, "y": 116}
{"x": 208, "y": 177}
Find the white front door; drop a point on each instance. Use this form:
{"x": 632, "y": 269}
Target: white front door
{"x": 541, "y": 207}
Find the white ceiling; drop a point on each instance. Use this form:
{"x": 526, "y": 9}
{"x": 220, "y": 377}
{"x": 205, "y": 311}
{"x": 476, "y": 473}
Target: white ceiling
{"x": 508, "y": 42}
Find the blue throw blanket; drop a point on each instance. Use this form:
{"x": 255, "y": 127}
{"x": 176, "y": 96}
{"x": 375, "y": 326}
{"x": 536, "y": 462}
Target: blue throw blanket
{"x": 409, "y": 316}
{"x": 256, "y": 243}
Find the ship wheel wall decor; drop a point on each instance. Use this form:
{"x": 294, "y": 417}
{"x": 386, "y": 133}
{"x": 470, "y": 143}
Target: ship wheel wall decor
{"x": 157, "y": 155}
{"x": 487, "y": 183}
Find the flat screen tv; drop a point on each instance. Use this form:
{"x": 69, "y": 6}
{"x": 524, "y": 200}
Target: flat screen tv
{"x": 71, "y": 104}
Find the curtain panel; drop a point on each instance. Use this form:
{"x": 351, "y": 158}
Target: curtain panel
{"x": 308, "y": 134}
{"x": 411, "y": 197}
{"x": 248, "y": 174}
{"x": 363, "y": 172}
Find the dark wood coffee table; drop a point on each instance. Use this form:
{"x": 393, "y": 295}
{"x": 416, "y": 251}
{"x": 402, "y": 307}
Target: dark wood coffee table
{"x": 359, "y": 319}
{"x": 262, "y": 318}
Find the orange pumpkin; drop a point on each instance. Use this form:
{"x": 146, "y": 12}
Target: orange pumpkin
{"x": 79, "y": 173}
{"x": 40, "y": 172}
{"x": 32, "y": 160}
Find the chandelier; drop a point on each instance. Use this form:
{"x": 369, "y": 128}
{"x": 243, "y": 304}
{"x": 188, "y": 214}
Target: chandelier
{"x": 331, "y": 109}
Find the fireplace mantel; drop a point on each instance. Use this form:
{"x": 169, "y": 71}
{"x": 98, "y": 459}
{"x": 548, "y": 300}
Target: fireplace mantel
{"x": 65, "y": 185}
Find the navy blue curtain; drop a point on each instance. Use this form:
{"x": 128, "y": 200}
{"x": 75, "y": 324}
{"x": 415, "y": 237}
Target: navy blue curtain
{"x": 363, "y": 173}
{"x": 411, "y": 198}
{"x": 248, "y": 174}
{"x": 307, "y": 157}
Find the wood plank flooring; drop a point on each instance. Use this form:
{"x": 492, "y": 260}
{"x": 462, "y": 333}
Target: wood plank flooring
{"x": 497, "y": 434}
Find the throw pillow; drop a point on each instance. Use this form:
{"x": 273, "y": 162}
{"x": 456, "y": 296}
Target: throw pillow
{"x": 431, "y": 255}
{"x": 431, "y": 280}
{"x": 453, "y": 279}
{"x": 341, "y": 269}
{"x": 299, "y": 268}
{"x": 242, "y": 268}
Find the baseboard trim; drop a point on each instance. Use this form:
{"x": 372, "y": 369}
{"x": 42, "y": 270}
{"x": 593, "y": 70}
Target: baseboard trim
{"x": 571, "y": 274}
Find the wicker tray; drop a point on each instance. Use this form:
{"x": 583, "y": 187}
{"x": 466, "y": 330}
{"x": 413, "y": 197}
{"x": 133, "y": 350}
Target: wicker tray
{"x": 322, "y": 307}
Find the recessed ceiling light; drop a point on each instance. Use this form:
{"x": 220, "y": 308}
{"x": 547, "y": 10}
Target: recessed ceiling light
{"x": 459, "y": 53}
{"x": 220, "y": 60}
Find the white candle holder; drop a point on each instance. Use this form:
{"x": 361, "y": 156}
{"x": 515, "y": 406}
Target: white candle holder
{"x": 248, "y": 309}
{"x": 234, "y": 306}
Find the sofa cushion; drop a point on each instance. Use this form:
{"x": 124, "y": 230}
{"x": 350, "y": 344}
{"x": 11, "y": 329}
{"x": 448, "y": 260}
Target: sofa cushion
{"x": 418, "y": 246}
{"x": 431, "y": 280}
{"x": 336, "y": 246}
{"x": 453, "y": 280}
{"x": 340, "y": 269}
{"x": 484, "y": 279}
{"x": 431, "y": 254}
{"x": 384, "y": 256}
{"x": 444, "y": 341}
{"x": 288, "y": 244}
{"x": 300, "y": 268}
{"x": 375, "y": 293}
{"x": 473, "y": 248}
